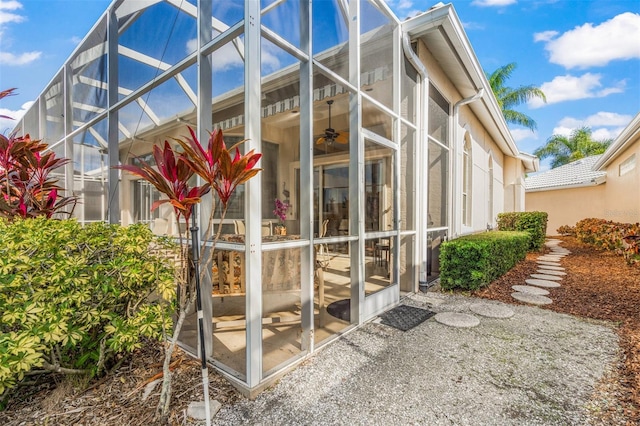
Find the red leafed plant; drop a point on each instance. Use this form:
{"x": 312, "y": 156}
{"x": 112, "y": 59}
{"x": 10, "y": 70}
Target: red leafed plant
{"x": 27, "y": 188}
{"x": 219, "y": 169}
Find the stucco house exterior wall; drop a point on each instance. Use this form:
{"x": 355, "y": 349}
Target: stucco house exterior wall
{"x": 622, "y": 165}
{"x": 606, "y": 186}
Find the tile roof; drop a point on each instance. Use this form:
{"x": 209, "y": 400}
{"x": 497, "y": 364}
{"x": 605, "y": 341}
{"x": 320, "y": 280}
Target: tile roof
{"x": 579, "y": 172}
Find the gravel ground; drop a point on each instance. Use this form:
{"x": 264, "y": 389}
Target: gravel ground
{"x": 535, "y": 368}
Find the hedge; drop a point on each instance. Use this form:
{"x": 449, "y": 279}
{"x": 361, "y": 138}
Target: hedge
{"x": 473, "y": 261}
{"x": 535, "y": 223}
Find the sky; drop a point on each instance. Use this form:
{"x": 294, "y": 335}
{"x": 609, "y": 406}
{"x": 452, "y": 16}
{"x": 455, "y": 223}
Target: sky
{"x": 583, "y": 54}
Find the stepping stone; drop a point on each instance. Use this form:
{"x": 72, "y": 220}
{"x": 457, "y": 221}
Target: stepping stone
{"x": 530, "y": 289}
{"x": 550, "y": 272}
{"x": 533, "y": 299}
{"x": 196, "y": 409}
{"x": 546, "y": 262}
{"x": 456, "y": 319}
{"x": 542, "y": 283}
{"x": 550, "y": 258}
{"x": 551, "y": 268}
{"x": 491, "y": 310}
{"x": 546, "y": 277}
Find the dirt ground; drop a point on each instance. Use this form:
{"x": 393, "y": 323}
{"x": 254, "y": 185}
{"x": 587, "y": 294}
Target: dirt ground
{"x": 598, "y": 285}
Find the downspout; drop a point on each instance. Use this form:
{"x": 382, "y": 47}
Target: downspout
{"x": 421, "y": 223}
{"x": 454, "y": 185}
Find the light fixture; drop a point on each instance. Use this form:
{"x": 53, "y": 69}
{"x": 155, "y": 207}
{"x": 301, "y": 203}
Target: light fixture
{"x": 330, "y": 135}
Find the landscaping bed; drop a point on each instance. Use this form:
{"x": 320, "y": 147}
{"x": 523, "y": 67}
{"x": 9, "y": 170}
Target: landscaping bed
{"x": 598, "y": 285}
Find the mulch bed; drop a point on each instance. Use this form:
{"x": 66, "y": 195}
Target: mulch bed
{"x": 598, "y": 285}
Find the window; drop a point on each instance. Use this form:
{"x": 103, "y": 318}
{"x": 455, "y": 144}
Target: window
{"x": 627, "y": 165}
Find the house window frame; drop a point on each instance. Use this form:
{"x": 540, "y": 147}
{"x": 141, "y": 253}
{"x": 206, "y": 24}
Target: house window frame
{"x": 627, "y": 166}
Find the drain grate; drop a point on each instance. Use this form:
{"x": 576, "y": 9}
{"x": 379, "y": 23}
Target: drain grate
{"x": 405, "y": 317}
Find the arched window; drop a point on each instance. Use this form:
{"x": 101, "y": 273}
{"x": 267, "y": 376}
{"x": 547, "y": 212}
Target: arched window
{"x": 466, "y": 181}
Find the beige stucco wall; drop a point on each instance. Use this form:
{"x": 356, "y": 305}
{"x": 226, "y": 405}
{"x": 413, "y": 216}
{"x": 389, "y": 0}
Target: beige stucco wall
{"x": 568, "y": 206}
{"x": 618, "y": 199}
{"x": 622, "y": 197}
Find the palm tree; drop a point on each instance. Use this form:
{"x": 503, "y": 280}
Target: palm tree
{"x": 509, "y": 98}
{"x": 565, "y": 149}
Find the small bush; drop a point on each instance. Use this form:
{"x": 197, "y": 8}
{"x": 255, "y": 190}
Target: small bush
{"x": 473, "y": 261}
{"x": 535, "y": 223}
{"x": 608, "y": 235}
{"x": 73, "y": 297}
{"x": 567, "y": 230}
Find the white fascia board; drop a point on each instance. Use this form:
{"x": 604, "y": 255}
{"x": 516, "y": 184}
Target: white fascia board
{"x": 625, "y": 138}
{"x": 531, "y": 162}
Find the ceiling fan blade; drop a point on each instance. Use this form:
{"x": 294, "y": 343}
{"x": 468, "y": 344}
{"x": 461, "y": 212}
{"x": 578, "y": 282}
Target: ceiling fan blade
{"x": 321, "y": 140}
{"x": 342, "y": 138}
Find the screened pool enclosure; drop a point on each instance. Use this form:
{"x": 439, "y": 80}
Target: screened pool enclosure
{"x": 355, "y": 138}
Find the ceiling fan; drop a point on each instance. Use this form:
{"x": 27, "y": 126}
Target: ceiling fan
{"x": 330, "y": 136}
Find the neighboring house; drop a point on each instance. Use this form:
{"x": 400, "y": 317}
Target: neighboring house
{"x": 383, "y": 135}
{"x": 603, "y": 186}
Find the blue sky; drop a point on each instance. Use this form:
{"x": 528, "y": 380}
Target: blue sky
{"x": 584, "y": 54}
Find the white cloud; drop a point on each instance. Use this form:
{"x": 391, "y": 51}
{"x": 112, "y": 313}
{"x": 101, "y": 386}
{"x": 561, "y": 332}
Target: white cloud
{"x": 523, "y": 134}
{"x": 8, "y": 59}
{"x": 490, "y": 3}
{"x": 588, "y": 45}
{"x": 225, "y": 58}
{"x": 602, "y": 118}
{"x": 603, "y": 125}
{"x": 473, "y": 26}
{"x": 7, "y": 124}
{"x": 544, "y": 36}
{"x": 568, "y": 88}
{"x": 404, "y": 4}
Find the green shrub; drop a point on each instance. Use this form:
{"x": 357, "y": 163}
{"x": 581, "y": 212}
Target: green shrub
{"x": 72, "y": 298}
{"x": 473, "y": 261}
{"x": 535, "y": 223}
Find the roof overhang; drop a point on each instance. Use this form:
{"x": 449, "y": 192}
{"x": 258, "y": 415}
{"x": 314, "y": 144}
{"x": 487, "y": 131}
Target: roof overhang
{"x": 531, "y": 162}
{"x": 442, "y": 32}
{"x": 626, "y": 138}
{"x": 593, "y": 182}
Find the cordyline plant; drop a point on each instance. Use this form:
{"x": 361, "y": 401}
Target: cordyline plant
{"x": 27, "y": 188}
{"x": 220, "y": 168}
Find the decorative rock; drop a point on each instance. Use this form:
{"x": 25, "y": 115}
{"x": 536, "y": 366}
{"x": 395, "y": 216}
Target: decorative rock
{"x": 491, "y": 310}
{"x": 530, "y": 289}
{"x": 543, "y": 283}
{"x": 551, "y": 268}
{"x": 456, "y": 319}
{"x": 546, "y": 277}
{"x": 196, "y": 409}
{"x": 550, "y": 272}
{"x": 534, "y": 299}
